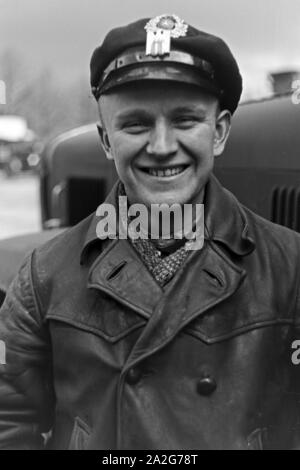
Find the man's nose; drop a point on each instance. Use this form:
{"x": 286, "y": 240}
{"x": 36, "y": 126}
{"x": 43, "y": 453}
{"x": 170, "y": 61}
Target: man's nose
{"x": 162, "y": 141}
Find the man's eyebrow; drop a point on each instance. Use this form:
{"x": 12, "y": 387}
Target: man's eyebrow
{"x": 132, "y": 113}
{"x": 138, "y": 113}
{"x": 189, "y": 109}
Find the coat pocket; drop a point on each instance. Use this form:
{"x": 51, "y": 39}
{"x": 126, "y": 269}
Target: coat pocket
{"x": 80, "y": 435}
{"x": 222, "y": 325}
{"x": 99, "y": 315}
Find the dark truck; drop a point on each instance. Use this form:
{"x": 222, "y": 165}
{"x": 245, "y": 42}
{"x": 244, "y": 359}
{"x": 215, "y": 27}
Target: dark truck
{"x": 261, "y": 166}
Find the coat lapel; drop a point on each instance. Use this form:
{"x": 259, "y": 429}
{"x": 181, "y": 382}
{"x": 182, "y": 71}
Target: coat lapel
{"x": 119, "y": 272}
{"x": 206, "y": 280}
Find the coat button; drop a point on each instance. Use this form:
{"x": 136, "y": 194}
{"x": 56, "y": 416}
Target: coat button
{"x": 133, "y": 376}
{"x": 206, "y": 385}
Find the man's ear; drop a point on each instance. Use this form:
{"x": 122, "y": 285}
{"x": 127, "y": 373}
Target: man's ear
{"x": 105, "y": 142}
{"x": 223, "y": 124}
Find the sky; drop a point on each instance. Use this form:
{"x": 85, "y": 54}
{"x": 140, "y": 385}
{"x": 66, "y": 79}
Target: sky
{"x": 264, "y": 35}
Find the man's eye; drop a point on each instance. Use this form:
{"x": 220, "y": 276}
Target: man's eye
{"x": 134, "y": 126}
{"x": 185, "y": 121}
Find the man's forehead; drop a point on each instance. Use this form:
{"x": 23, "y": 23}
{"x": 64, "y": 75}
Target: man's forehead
{"x": 148, "y": 94}
{"x": 169, "y": 109}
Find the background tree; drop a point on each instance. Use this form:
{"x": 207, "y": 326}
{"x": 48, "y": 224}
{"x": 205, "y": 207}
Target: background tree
{"x": 49, "y": 105}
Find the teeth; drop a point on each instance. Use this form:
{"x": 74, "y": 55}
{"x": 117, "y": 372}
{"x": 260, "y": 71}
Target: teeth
{"x": 166, "y": 172}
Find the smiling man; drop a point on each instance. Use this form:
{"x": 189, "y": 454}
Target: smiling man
{"x": 163, "y": 138}
{"x": 144, "y": 343}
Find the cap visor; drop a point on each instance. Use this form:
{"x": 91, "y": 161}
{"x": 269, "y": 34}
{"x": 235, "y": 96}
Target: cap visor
{"x": 160, "y": 71}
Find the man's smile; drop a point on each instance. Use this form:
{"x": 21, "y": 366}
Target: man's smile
{"x": 164, "y": 171}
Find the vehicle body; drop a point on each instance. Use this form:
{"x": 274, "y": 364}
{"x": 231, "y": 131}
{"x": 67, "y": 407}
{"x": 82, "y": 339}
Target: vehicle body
{"x": 261, "y": 163}
{"x": 75, "y": 178}
{"x": 261, "y": 166}
{"x": 19, "y": 148}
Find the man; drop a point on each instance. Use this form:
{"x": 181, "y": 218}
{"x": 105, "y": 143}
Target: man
{"x": 144, "y": 343}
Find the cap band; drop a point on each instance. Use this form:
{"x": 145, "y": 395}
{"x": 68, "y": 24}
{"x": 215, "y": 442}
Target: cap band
{"x": 136, "y": 56}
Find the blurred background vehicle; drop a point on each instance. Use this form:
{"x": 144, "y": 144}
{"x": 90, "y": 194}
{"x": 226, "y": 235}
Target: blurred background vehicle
{"x": 261, "y": 164}
{"x": 75, "y": 177}
{"x": 19, "y": 147}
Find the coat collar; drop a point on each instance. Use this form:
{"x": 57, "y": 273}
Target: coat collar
{"x": 91, "y": 238}
{"x": 203, "y": 281}
{"x": 225, "y": 220}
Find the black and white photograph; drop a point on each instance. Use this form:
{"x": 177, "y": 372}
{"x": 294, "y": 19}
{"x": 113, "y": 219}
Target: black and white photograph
{"x": 149, "y": 227}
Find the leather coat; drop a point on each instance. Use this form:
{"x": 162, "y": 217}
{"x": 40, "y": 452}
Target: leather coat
{"x": 101, "y": 355}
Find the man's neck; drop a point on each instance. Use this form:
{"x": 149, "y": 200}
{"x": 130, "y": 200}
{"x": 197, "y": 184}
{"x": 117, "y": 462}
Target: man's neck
{"x": 168, "y": 245}
{"x": 176, "y": 240}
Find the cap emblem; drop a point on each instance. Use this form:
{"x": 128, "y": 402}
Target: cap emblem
{"x": 160, "y": 30}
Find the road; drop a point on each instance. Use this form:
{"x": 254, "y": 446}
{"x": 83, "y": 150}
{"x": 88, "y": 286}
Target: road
{"x": 19, "y": 205}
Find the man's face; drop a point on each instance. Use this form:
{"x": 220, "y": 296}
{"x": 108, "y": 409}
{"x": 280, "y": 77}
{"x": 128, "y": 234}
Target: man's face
{"x": 163, "y": 137}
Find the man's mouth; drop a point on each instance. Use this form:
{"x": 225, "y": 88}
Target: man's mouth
{"x": 163, "y": 172}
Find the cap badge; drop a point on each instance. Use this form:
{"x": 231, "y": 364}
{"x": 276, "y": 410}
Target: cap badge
{"x": 160, "y": 30}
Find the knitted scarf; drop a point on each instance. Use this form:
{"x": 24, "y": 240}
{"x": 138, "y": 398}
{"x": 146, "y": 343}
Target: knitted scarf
{"x": 161, "y": 263}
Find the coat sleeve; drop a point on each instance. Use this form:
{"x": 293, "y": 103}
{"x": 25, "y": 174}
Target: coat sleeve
{"x": 26, "y": 396}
